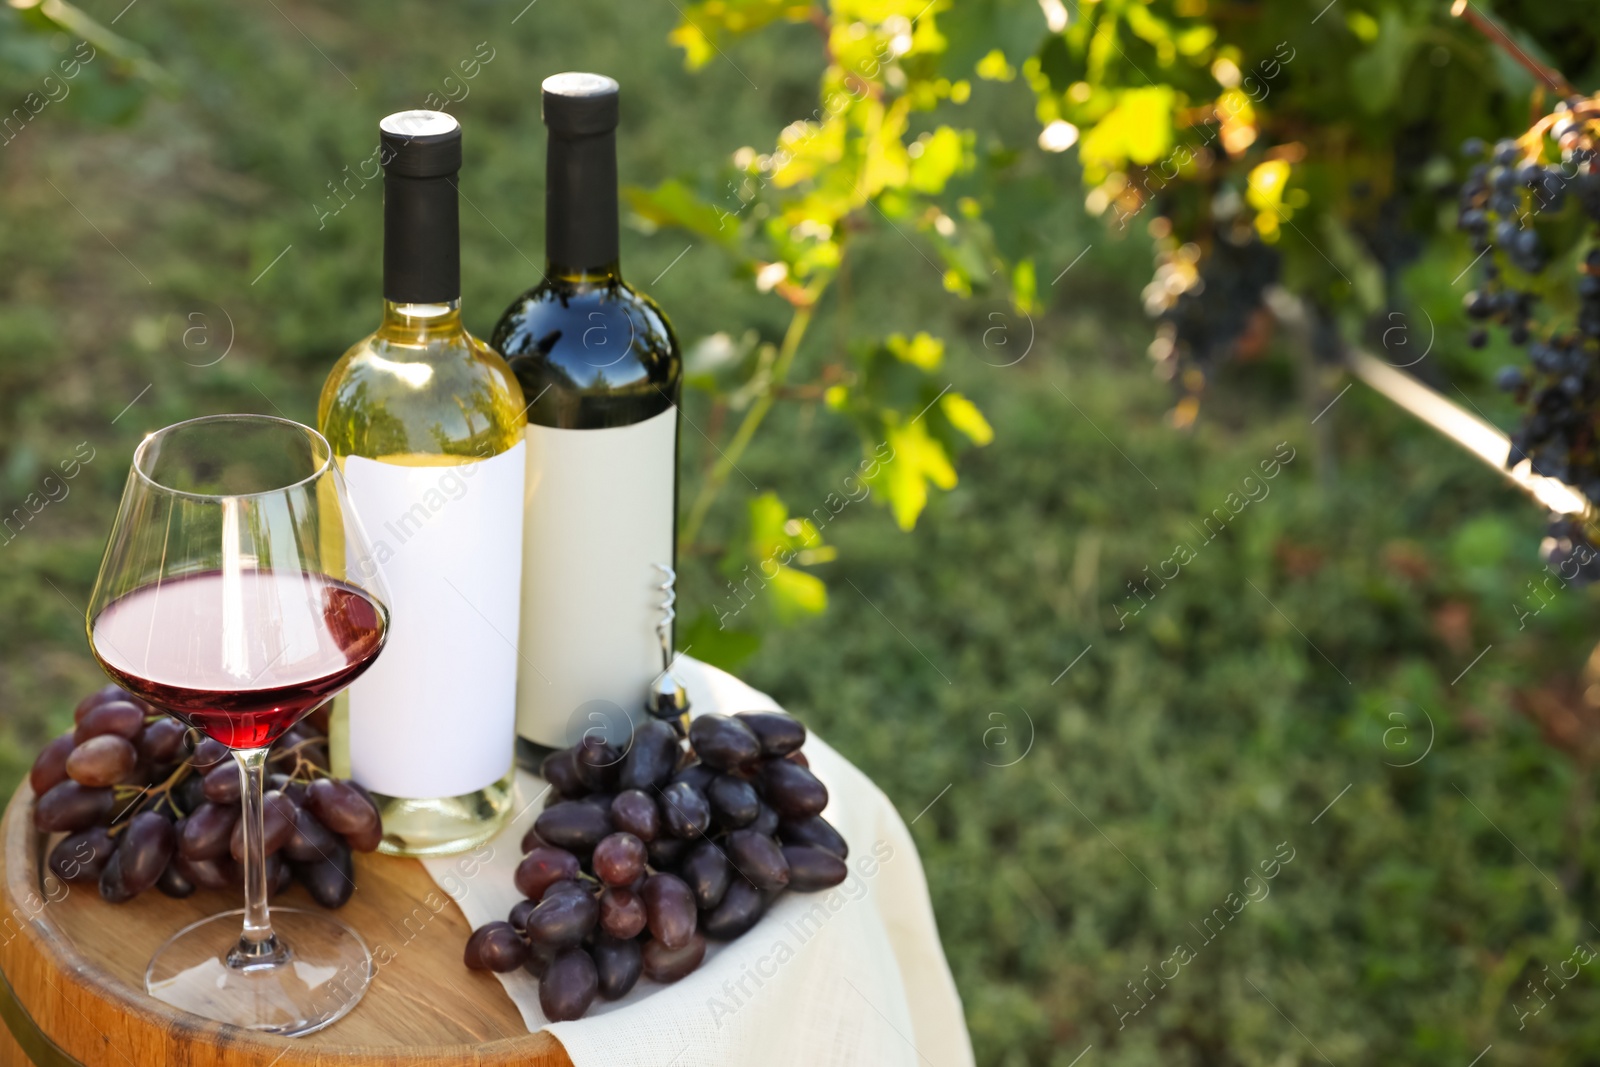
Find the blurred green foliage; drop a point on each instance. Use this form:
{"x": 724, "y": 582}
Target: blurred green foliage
{"x": 1109, "y": 785}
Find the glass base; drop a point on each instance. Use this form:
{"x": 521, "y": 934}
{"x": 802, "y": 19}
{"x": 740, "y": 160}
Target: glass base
{"x": 440, "y": 826}
{"x": 314, "y": 974}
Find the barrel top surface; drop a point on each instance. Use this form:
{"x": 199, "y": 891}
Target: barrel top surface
{"x": 76, "y": 965}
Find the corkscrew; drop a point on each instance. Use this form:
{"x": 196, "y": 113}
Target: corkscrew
{"x": 667, "y": 699}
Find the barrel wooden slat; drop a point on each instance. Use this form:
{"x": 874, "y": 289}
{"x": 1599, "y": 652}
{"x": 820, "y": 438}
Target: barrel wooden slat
{"x": 75, "y": 966}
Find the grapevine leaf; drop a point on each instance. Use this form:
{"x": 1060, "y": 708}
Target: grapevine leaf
{"x": 795, "y": 593}
{"x": 922, "y": 351}
{"x": 917, "y": 458}
{"x": 965, "y": 416}
{"x": 1137, "y": 130}
{"x": 674, "y": 204}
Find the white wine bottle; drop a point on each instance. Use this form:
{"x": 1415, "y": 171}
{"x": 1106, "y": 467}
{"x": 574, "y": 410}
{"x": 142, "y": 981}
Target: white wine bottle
{"x": 601, "y": 370}
{"x": 427, "y": 424}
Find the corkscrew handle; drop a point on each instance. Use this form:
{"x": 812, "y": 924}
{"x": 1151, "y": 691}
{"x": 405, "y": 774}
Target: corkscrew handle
{"x": 667, "y": 699}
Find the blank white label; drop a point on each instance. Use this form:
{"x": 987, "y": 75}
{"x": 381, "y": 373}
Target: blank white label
{"x": 436, "y": 715}
{"x": 600, "y": 514}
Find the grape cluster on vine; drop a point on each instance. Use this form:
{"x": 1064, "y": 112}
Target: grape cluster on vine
{"x": 1512, "y": 184}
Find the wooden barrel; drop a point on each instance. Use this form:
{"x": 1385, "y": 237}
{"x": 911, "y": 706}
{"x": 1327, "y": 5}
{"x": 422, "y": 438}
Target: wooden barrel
{"x": 73, "y": 970}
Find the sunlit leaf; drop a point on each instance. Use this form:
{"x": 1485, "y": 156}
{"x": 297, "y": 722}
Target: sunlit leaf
{"x": 923, "y": 351}
{"x": 943, "y": 153}
{"x": 674, "y": 204}
{"x": 917, "y": 459}
{"x": 796, "y": 593}
{"x": 965, "y": 416}
{"x": 1137, "y": 130}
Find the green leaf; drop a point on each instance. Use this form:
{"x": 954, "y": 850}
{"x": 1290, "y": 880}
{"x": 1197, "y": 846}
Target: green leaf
{"x": 922, "y": 351}
{"x": 795, "y": 593}
{"x": 1377, "y": 74}
{"x": 1138, "y": 129}
{"x": 674, "y": 204}
{"x": 943, "y": 153}
{"x": 965, "y": 416}
{"x": 916, "y": 458}
{"x": 1024, "y": 287}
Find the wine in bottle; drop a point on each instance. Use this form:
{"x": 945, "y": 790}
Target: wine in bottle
{"x": 427, "y": 424}
{"x": 601, "y": 370}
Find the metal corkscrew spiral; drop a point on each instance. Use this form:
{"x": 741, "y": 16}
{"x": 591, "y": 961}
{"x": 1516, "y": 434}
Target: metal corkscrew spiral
{"x": 667, "y": 699}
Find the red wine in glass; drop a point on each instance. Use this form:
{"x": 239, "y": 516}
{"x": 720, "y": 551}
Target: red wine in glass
{"x": 173, "y": 643}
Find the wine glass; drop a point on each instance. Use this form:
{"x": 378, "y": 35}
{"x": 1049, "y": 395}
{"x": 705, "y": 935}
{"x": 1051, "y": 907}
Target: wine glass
{"x": 238, "y": 593}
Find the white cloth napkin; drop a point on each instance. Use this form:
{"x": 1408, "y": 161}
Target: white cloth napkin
{"x": 850, "y": 976}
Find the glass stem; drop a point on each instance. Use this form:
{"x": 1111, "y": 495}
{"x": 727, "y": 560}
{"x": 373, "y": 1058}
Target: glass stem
{"x": 257, "y": 945}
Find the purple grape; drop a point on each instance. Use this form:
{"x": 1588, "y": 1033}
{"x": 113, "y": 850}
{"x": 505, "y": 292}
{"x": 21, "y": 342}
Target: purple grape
{"x": 172, "y": 883}
{"x": 573, "y": 825}
{"x": 50, "y": 766}
{"x": 619, "y": 859}
{"x": 634, "y": 812}
{"x": 542, "y": 867}
{"x": 569, "y": 986}
{"x": 599, "y": 764}
{"x": 792, "y": 790}
{"x": 495, "y": 946}
{"x": 70, "y": 807}
{"x": 567, "y": 885}
{"x": 342, "y": 806}
{"x": 758, "y": 858}
{"x": 104, "y": 695}
{"x": 779, "y": 734}
{"x": 80, "y": 857}
{"x": 162, "y": 741}
{"x": 669, "y": 907}
{"x": 622, "y": 913}
{"x": 560, "y": 769}
{"x": 147, "y": 845}
{"x": 815, "y": 831}
{"x": 734, "y": 802}
{"x": 519, "y": 912}
{"x": 618, "y": 964}
{"x": 330, "y": 878}
{"x": 685, "y": 812}
{"x": 311, "y": 841}
{"x": 740, "y": 909}
{"x": 766, "y": 822}
{"x": 724, "y": 742}
{"x": 707, "y": 872}
{"x": 123, "y": 718}
{"x": 221, "y": 784}
{"x": 812, "y": 868}
{"x": 562, "y": 920}
{"x": 662, "y": 963}
{"x": 207, "y": 831}
{"x": 650, "y": 762}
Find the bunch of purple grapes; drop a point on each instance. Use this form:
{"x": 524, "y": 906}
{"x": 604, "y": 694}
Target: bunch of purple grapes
{"x": 640, "y": 856}
{"x": 142, "y": 805}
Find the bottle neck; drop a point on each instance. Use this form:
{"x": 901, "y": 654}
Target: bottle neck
{"x": 421, "y": 242}
{"x": 580, "y": 203}
{"x": 420, "y": 323}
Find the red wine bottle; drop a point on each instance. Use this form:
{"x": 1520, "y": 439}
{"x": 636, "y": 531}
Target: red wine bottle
{"x": 601, "y": 370}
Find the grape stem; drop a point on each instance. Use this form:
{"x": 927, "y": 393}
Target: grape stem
{"x": 164, "y": 790}
{"x": 1553, "y": 79}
